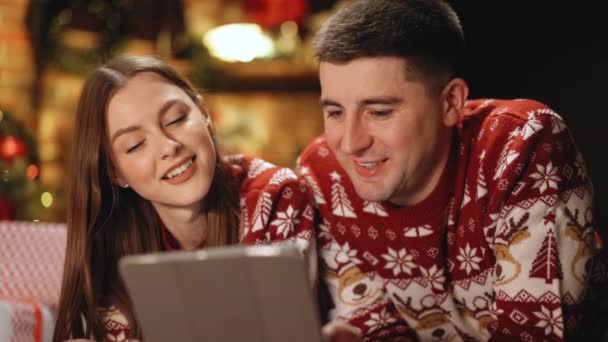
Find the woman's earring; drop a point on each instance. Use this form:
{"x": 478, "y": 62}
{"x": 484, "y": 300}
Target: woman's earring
{"x": 208, "y": 121}
{"x": 125, "y": 186}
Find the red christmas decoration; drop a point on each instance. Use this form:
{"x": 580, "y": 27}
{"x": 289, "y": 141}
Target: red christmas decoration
{"x": 7, "y": 209}
{"x": 12, "y": 147}
{"x": 272, "y": 13}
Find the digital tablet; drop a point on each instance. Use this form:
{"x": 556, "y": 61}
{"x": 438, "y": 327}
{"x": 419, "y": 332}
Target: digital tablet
{"x": 236, "y": 293}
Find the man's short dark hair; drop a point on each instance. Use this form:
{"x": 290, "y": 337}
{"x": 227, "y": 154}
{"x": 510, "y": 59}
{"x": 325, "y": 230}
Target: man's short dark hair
{"x": 427, "y": 33}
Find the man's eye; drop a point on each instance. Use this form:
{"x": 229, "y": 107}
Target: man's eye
{"x": 381, "y": 112}
{"x": 333, "y": 113}
{"x": 135, "y": 147}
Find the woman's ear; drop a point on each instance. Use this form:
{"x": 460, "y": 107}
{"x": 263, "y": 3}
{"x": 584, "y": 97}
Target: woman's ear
{"x": 454, "y": 96}
{"x": 120, "y": 181}
{"x": 202, "y": 105}
{"x": 116, "y": 177}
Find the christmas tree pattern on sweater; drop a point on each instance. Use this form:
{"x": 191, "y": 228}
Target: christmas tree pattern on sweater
{"x": 497, "y": 251}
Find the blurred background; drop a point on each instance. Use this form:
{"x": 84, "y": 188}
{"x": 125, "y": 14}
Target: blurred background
{"x": 253, "y": 61}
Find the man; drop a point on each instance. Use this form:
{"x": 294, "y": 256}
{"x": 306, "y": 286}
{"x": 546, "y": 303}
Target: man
{"x": 441, "y": 218}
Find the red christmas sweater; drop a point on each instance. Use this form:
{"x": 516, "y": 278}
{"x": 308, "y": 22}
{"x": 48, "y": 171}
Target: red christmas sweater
{"x": 497, "y": 252}
{"x": 276, "y": 206}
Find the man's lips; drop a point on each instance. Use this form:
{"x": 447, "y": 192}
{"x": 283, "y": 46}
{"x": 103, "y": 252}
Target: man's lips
{"x": 369, "y": 168}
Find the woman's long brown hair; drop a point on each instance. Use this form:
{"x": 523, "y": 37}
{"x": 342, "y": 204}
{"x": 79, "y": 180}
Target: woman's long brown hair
{"x": 106, "y": 222}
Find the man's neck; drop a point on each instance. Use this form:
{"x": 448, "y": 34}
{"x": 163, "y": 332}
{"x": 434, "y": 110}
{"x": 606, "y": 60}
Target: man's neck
{"x": 429, "y": 178}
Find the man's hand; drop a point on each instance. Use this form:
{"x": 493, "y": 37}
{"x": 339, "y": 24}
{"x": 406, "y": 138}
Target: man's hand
{"x": 338, "y": 331}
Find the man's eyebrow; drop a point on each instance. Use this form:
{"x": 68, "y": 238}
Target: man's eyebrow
{"x": 326, "y": 102}
{"x": 382, "y": 101}
{"x": 366, "y": 102}
{"x": 162, "y": 111}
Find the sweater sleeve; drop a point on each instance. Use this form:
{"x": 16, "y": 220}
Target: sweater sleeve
{"x": 115, "y": 324}
{"x": 544, "y": 231}
{"x": 277, "y": 208}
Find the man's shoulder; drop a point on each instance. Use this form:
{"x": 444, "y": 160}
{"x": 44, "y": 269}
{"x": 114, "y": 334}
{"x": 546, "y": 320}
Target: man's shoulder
{"x": 516, "y": 105}
{"x": 517, "y": 111}
{"x": 496, "y": 121}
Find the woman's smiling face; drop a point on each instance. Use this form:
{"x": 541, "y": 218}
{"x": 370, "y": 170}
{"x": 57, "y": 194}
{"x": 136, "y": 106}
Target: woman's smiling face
{"x": 160, "y": 142}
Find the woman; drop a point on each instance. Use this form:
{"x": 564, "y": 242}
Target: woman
{"x": 146, "y": 176}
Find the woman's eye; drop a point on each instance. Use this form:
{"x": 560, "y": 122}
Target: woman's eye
{"x": 179, "y": 119}
{"x": 135, "y": 147}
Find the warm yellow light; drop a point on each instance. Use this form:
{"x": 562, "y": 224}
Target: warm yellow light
{"x": 46, "y": 199}
{"x": 238, "y": 42}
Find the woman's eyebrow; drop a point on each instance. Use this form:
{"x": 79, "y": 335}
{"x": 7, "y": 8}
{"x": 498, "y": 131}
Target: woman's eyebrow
{"x": 162, "y": 111}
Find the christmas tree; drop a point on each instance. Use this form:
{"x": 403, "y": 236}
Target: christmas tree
{"x": 546, "y": 265}
{"x": 19, "y": 188}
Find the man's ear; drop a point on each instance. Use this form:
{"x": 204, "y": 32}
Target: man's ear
{"x": 454, "y": 96}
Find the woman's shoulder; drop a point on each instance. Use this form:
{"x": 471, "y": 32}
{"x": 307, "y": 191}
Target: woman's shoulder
{"x": 258, "y": 175}
{"x": 276, "y": 204}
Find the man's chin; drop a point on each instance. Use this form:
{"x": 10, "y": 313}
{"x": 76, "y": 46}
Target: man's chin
{"x": 369, "y": 190}
{"x": 370, "y": 194}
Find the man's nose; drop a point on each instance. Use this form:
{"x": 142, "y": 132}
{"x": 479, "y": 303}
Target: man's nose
{"x": 356, "y": 137}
